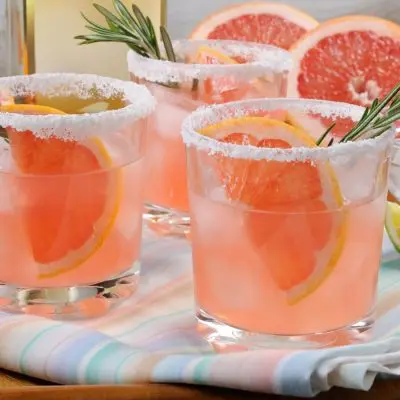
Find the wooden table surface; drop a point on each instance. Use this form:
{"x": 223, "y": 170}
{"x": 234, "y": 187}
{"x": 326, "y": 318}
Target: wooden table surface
{"x": 13, "y": 386}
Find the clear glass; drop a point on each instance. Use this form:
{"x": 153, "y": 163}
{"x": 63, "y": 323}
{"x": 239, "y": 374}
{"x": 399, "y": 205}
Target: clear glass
{"x": 282, "y": 229}
{"x": 71, "y": 192}
{"x": 180, "y": 88}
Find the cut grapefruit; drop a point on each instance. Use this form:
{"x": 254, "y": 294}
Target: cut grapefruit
{"x": 292, "y": 217}
{"x": 351, "y": 59}
{"x": 72, "y": 194}
{"x": 222, "y": 89}
{"x": 270, "y": 23}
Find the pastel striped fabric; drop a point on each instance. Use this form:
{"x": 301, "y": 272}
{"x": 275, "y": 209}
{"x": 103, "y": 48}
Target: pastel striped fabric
{"x": 152, "y": 338}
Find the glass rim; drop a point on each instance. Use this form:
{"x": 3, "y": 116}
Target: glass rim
{"x": 76, "y": 126}
{"x": 209, "y": 115}
{"x": 269, "y": 59}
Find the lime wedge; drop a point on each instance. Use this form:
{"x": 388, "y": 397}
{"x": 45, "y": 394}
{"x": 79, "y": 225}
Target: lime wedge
{"x": 392, "y": 223}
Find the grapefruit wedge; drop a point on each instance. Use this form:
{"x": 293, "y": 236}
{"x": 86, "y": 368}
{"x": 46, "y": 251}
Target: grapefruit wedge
{"x": 291, "y": 208}
{"x": 270, "y": 23}
{"x": 72, "y": 194}
{"x": 352, "y": 59}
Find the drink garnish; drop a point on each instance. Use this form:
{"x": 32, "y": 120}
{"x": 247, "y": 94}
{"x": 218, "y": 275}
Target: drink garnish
{"x": 132, "y": 28}
{"x": 376, "y": 120}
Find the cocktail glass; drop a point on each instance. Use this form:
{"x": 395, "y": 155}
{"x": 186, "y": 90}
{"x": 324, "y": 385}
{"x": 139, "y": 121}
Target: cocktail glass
{"x": 228, "y": 71}
{"x": 71, "y": 192}
{"x": 286, "y": 234}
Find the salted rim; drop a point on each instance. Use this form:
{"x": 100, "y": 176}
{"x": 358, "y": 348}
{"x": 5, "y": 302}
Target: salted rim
{"x": 267, "y": 59}
{"x": 209, "y": 115}
{"x": 76, "y": 126}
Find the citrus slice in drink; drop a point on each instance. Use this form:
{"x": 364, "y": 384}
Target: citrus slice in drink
{"x": 262, "y": 22}
{"x": 347, "y": 59}
{"x": 222, "y": 89}
{"x": 72, "y": 194}
{"x": 392, "y": 223}
{"x": 292, "y": 208}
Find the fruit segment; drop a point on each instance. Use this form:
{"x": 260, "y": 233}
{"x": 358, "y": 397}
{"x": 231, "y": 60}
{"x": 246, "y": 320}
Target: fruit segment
{"x": 297, "y": 235}
{"x": 72, "y": 193}
{"x": 222, "y": 89}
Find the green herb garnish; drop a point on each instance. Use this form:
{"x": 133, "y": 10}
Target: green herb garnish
{"x": 132, "y": 28}
{"x": 374, "y": 121}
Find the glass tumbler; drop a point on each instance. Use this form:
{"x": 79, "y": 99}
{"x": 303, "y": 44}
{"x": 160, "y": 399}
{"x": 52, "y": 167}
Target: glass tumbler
{"x": 282, "y": 228}
{"x": 208, "y": 71}
{"x": 71, "y": 192}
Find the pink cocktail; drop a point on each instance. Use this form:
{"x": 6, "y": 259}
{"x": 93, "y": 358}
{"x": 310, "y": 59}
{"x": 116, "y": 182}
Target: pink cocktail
{"x": 72, "y": 180}
{"x": 286, "y": 230}
{"x": 208, "y": 72}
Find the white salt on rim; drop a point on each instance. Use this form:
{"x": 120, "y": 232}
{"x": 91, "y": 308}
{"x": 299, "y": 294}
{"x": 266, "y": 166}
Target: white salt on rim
{"x": 265, "y": 59}
{"x": 210, "y": 115}
{"x": 76, "y": 126}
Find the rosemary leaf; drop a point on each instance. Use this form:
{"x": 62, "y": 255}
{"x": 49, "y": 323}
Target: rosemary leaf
{"x": 124, "y": 13}
{"x": 107, "y": 14}
{"x": 331, "y": 142}
{"x": 154, "y": 40}
{"x": 140, "y": 17}
{"x": 91, "y": 22}
{"x": 169, "y": 50}
{"x": 324, "y": 135}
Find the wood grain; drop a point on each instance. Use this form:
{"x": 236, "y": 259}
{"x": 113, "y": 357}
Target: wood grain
{"x": 17, "y": 387}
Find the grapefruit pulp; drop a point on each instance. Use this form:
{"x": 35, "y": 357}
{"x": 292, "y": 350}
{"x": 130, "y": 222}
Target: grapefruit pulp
{"x": 269, "y": 23}
{"x": 290, "y": 215}
{"x": 352, "y": 59}
{"x": 72, "y": 194}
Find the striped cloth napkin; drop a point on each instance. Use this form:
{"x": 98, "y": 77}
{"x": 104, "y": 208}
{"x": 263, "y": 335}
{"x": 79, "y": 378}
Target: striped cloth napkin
{"x": 152, "y": 338}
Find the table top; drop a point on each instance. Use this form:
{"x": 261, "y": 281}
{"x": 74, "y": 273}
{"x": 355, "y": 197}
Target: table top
{"x": 14, "y": 386}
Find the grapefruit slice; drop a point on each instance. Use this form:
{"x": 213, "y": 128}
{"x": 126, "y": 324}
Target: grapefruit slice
{"x": 221, "y": 89}
{"x": 73, "y": 195}
{"x": 270, "y": 23}
{"x": 293, "y": 215}
{"x": 352, "y": 59}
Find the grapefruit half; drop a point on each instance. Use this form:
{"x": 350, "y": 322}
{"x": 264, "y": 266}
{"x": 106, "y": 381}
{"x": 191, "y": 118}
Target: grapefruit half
{"x": 270, "y": 23}
{"x": 352, "y": 59}
{"x": 290, "y": 208}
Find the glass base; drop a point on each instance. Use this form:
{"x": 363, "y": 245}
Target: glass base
{"x": 225, "y": 338}
{"x": 166, "y": 221}
{"x": 74, "y": 302}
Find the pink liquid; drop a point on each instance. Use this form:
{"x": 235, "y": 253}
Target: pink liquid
{"x": 118, "y": 252}
{"x": 166, "y": 157}
{"x": 234, "y": 285}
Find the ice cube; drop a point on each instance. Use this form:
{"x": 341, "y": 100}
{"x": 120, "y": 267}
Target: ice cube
{"x": 357, "y": 176}
{"x": 172, "y": 109}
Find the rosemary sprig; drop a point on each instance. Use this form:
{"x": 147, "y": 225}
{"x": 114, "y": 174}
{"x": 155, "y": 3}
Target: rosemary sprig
{"x": 377, "y": 119}
{"x": 132, "y": 28}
